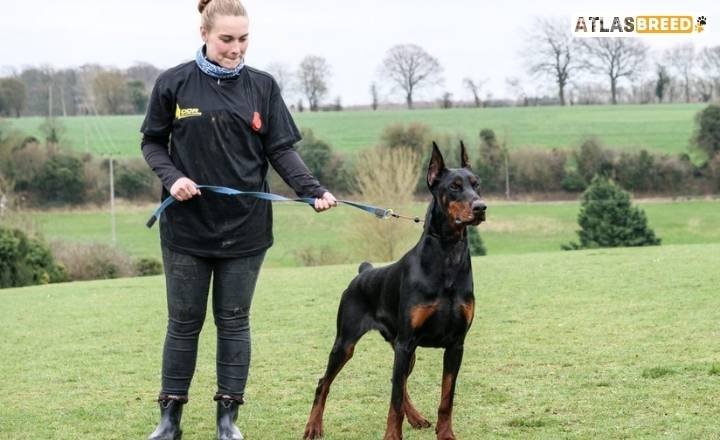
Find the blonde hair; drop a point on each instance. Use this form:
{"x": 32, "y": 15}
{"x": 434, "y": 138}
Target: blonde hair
{"x": 209, "y": 9}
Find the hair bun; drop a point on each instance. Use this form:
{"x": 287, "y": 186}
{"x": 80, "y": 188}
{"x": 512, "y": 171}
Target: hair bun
{"x": 202, "y": 4}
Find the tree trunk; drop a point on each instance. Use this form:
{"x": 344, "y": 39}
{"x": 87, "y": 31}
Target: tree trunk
{"x": 409, "y": 101}
{"x": 562, "y": 94}
{"x": 613, "y": 90}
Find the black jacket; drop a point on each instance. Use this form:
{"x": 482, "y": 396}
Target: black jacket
{"x": 221, "y": 132}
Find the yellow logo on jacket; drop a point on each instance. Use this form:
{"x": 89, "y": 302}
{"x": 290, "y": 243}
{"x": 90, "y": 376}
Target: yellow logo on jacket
{"x": 181, "y": 113}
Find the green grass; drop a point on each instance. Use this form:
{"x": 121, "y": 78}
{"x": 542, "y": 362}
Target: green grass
{"x": 512, "y": 228}
{"x": 657, "y": 128}
{"x": 557, "y": 350}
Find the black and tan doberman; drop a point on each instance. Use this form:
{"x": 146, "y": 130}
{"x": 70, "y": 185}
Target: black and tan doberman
{"x": 425, "y": 299}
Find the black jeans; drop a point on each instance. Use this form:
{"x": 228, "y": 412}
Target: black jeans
{"x": 188, "y": 281}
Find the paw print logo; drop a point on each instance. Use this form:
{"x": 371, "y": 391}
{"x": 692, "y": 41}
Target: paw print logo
{"x": 700, "y": 23}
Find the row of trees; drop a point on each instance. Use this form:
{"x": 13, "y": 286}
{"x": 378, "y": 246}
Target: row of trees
{"x": 89, "y": 89}
{"x": 678, "y": 71}
{"x": 571, "y": 66}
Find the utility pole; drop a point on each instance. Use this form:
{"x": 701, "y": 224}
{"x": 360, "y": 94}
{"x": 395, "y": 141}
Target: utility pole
{"x": 112, "y": 201}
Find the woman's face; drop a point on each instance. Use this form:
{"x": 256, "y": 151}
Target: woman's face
{"x": 227, "y": 41}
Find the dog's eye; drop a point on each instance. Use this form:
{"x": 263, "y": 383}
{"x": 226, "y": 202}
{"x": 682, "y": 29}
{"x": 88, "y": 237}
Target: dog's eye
{"x": 476, "y": 185}
{"x": 454, "y": 187}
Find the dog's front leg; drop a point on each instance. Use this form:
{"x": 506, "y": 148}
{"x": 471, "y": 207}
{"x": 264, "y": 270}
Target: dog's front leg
{"x": 451, "y": 365}
{"x": 403, "y": 355}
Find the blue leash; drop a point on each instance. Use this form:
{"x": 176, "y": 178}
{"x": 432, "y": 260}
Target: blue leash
{"x": 380, "y": 213}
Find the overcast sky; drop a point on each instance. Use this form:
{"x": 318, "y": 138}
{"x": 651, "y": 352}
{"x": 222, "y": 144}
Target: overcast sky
{"x": 470, "y": 38}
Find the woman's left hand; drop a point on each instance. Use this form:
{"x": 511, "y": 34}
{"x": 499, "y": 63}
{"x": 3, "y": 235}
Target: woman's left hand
{"x": 326, "y": 202}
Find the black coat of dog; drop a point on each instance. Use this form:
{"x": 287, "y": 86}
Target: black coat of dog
{"x": 424, "y": 299}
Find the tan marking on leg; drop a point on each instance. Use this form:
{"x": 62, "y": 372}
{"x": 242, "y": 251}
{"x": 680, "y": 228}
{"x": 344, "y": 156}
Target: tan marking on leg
{"x": 314, "y": 426}
{"x": 394, "y": 424}
{"x": 444, "y": 424}
{"x": 468, "y": 310}
{"x": 420, "y": 313}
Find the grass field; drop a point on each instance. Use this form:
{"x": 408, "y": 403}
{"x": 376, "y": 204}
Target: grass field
{"x": 512, "y": 228}
{"x": 601, "y": 344}
{"x": 657, "y": 128}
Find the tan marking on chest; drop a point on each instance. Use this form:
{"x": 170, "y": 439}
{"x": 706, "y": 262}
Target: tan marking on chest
{"x": 468, "y": 310}
{"x": 420, "y": 313}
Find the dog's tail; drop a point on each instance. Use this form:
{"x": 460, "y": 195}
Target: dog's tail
{"x": 364, "y": 266}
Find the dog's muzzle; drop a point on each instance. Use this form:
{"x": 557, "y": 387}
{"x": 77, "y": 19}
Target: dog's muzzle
{"x": 478, "y": 209}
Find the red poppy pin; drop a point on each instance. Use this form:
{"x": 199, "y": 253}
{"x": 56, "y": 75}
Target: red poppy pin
{"x": 256, "y": 121}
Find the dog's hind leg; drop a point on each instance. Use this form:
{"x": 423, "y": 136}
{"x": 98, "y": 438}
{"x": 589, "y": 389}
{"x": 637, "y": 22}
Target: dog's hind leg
{"x": 349, "y": 331}
{"x": 414, "y": 417}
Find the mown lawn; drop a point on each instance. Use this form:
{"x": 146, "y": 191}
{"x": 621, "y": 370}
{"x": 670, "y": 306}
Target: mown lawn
{"x": 599, "y": 344}
{"x": 657, "y": 128}
{"x": 512, "y": 228}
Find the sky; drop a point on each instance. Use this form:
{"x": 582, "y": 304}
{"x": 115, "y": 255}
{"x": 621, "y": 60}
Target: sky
{"x": 470, "y": 38}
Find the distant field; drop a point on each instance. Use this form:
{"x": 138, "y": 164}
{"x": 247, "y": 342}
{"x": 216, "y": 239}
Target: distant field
{"x": 512, "y": 228}
{"x": 599, "y": 344}
{"x": 658, "y": 128}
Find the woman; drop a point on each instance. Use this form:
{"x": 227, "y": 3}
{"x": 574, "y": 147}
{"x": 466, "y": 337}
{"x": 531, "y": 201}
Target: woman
{"x": 216, "y": 121}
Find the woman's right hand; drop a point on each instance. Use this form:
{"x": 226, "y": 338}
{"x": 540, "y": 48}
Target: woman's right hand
{"x": 184, "y": 189}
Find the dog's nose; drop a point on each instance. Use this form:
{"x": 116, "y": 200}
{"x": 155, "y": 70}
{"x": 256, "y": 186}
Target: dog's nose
{"x": 478, "y": 207}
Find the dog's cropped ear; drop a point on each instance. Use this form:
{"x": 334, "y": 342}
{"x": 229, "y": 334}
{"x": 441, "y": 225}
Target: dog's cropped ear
{"x": 436, "y": 167}
{"x": 464, "y": 161}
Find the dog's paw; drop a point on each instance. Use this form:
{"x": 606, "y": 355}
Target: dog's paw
{"x": 313, "y": 431}
{"x": 418, "y": 422}
{"x": 445, "y": 433}
{"x": 702, "y": 20}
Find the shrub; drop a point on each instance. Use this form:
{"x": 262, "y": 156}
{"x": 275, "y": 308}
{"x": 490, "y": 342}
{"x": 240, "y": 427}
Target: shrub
{"x": 25, "y": 163}
{"x": 329, "y": 168}
{"x": 537, "y": 170}
{"x": 573, "y": 182}
{"x": 707, "y": 132}
{"x": 61, "y": 179}
{"x": 415, "y": 136}
{"x": 490, "y": 164}
{"x": 607, "y": 219}
{"x": 636, "y": 171}
{"x": 592, "y": 159}
{"x": 385, "y": 177}
{"x": 92, "y": 261}
{"x": 475, "y": 242}
{"x": 148, "y": 266}
{"x": 134, "y": 179}
{"x": 315, "y": 153}
{"x": 25, "y": 261}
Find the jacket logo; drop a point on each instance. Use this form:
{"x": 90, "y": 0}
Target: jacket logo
{"x": 181, "y": 113}
{"x": 256, "y": 122}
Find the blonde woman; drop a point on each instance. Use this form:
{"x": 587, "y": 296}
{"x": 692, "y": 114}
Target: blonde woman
{"x": 216, "y": 121}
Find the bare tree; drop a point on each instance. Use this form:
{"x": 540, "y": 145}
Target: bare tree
{"x": 475, "y": 87}
{"x": 515, "y": 88}
{"x": 13, "y": 94}
{"x": 375, "y": 94}
{"x": 614, "y": 57}
{"x": 681, "y": 58}
{"x": 704, "y": 87}
{"x": 410, "y": 68}
{"x": 553, "y": 53}
{"x": 110, "y": 92}
{"x": 313, "y": 75}
{"x": 710, "y": 62}
{"x": 283, "y": 76}
{"x": 145, "y": 72}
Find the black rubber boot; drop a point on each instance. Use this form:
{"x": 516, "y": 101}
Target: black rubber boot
{"x": 227, "y": 412}
{"x": 170, "y": 414}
